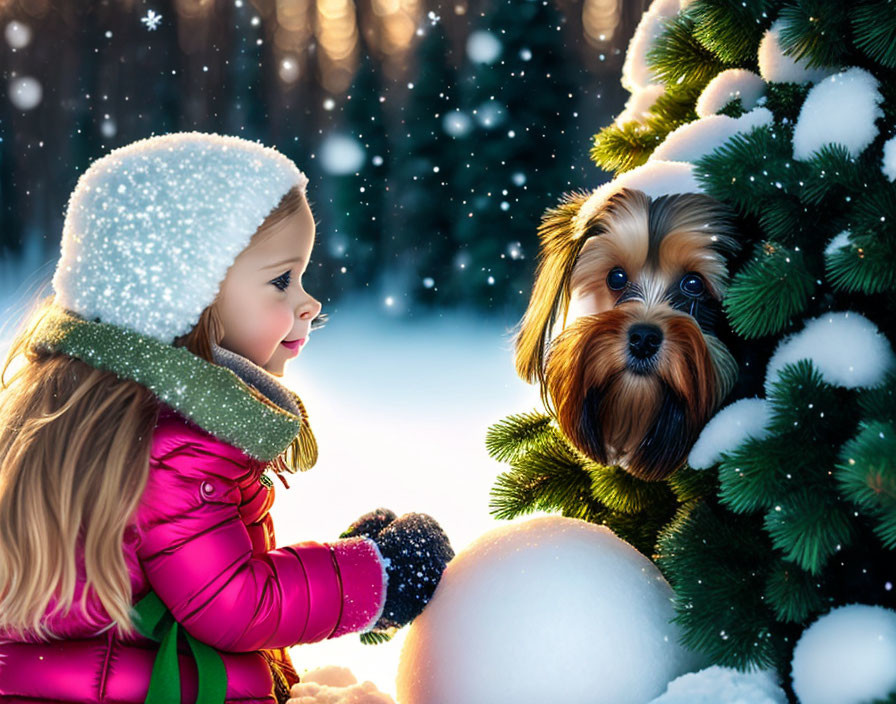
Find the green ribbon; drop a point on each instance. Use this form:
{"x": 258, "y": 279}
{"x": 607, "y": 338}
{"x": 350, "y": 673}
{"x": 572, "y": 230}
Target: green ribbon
{"x": 154, "y": 621}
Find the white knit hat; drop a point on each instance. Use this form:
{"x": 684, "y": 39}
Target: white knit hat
{"x": 152, "y": 227}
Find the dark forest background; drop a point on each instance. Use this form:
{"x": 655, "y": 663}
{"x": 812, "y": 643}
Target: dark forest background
{"x": 434, "y": 134}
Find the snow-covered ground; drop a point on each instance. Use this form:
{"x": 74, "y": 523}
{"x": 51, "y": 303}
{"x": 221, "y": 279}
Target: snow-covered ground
{"x": 400, "y": 408}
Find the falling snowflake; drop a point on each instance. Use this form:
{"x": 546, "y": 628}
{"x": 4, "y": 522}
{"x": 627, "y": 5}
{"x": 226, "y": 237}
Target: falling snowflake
{"x": 433, "y": 18}
{"x": 151, "y": 20}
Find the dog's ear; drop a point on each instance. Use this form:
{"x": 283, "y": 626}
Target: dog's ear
{"x": 558, "y": 249}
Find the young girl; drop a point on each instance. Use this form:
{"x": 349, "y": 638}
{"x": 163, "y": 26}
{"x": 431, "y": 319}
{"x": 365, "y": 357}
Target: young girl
{"x": 135, "y": 437}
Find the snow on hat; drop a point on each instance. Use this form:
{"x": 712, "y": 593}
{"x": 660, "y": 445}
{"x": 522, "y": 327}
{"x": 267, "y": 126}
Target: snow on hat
{"x": 151, "y": 228}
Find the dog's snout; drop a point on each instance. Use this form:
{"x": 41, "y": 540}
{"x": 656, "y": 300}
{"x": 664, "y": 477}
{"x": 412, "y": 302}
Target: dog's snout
{"x": 644, "y": 340}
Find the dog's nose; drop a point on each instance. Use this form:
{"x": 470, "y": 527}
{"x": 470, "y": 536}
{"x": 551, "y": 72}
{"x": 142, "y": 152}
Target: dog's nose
{"x": 644, "y": 340}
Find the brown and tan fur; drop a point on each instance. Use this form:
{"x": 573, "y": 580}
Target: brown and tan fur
{"x": 574, "y": 337}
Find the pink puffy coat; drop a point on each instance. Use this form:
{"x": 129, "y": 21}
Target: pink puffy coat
{"x": 203, "y": 539}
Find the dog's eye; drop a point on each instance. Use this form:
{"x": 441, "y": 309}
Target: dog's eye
{"x": 617, "y": 279}
{"x": 692, "y": 285}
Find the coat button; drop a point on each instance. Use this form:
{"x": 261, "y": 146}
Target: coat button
{"x": 207, "y": 488}
{"x": 266, "y": 480}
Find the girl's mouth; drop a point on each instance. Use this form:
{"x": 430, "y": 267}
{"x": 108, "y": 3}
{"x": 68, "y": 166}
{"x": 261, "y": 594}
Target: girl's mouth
{"x": 294, "y": 344}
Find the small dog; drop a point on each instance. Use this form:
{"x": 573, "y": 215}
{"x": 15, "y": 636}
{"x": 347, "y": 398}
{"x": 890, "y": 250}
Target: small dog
{"x": 620, "y": 327}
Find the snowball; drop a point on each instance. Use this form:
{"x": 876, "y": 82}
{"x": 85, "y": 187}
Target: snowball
{"x": 698, "y": 138}
{"x": 841, "y": 109}
{"x": 545, "y": 610}
{"x": 655, "y": 178}
{"x": 889, "y": 160}
{"x": 728, "y": 429}
{"x": 635, "y": 74}
{"x": 775, "y": 66}
{"x": 639, "y": 103}
{"x": 728, "y": 85}
{"x": 839, "y": 241}
{"x": 846, "y": 348}
{"x": 341, "y": 154}
{"x": 724, "y": 685}
{"x": 847, "y": 656}
{"x": 335, "y": 685}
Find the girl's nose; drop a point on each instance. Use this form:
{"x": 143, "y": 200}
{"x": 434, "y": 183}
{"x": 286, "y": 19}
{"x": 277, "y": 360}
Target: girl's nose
{"x": 309, "y": 308}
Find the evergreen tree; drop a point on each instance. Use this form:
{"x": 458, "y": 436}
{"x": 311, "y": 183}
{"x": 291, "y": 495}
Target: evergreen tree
{"x": 519, "y": 152}
{"x": 424, "y": 198}
{"x": 359, "y": 198}
{"x": 786, "y": 526}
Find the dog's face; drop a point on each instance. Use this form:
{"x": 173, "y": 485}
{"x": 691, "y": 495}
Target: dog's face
{"x": 620, "y": 329}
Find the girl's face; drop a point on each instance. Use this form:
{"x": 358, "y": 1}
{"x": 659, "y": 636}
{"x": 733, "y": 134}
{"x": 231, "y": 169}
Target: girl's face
{"x": 262, "y": 303}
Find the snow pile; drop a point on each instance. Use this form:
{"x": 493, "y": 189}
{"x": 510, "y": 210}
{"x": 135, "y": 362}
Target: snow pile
{"x": 335, "y": 685}
{"x": 775, "y": 66}
{"x": 889, "y": 160}
{"x": 724, "y": 685}
{"x": 840, "y": 109}
{"x": 635, "y": 73}
{"x": 545, "y": 610}
{"x": 728, "y": 85}
{"x": 698, "y": 138}
{"x": 848, "y": 656}
{"x": 638, "y": 104}
{"x": 846, "y": 348}
{"x": 655, "y": 178}
{"x": 728, "y": 429}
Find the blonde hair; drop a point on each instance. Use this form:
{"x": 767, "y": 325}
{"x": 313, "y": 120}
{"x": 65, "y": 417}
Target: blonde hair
{"x": 74, "y": 459}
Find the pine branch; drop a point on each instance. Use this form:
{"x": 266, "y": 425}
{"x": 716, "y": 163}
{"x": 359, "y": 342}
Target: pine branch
{"x": 730, "y": 29}
{"x": 768, "y": 291}
{"x": 874, "y": 30}
{"x": 622, "y": 492}
{"x": 717, "y": 563}
{"x": 808, "y": 528}
{"x": 620, "y": 148}
{"x": 550, "y": 477}
{"x": 866, "y": 475}
{"x": 516, "y": 434}
{"x": 785, "y": 100}
{"x": 678, "y": 57}
{"x": 813, "y": 30}
{"x": 793, "y": 594}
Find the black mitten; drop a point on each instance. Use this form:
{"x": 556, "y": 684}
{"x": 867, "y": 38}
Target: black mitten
{"x": 416, "y": 551}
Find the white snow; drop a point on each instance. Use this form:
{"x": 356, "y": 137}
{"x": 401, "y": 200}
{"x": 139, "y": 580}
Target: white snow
{"x": 483, "y": 47}
{"x": 335, "y": 685}
{"x": 341, "y": 154}
{"x": 775, "y": 66}
{"x": 729, "y": 428}
{"x": 695, "y": 139}
{"x": 846, "y": 348}
{"x": 841, "y": 109}
{"x": 655, "y": 178}
{"x": 728, "y": 85}
{"x": 640, "y": 102}
{"x": 724, "y": 685}
{"x": 847, "y": 656}
{"x": 18, "y": 34}
{"x": 837, "y": 242}
{"x": 635, "y": 74}
{"x": 888, "y": 163}
{"x": 552, "y": 609}
{"x": 491, "y": 114}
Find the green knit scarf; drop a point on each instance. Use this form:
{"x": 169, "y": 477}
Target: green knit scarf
{"x": 210, "y": 395}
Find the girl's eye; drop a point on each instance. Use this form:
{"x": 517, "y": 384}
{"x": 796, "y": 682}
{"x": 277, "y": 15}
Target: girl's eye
{"x": 617, "y": 279}
{"x": 692, "y": 285}
{"x": 282, "y": 281}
